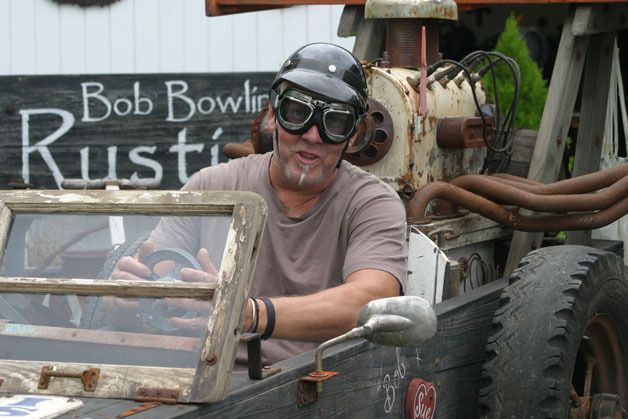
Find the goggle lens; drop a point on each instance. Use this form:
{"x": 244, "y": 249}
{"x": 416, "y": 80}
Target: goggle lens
{"x": 294, "y": 112}
{"x": 297, "y": 112}
{"x": 339, "y": 122}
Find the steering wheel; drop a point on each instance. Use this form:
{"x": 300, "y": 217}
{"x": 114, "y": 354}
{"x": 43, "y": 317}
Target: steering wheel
{"x": 154, "y": 312}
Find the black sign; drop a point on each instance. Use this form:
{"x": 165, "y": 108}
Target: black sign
{"x": 142, "y": 126}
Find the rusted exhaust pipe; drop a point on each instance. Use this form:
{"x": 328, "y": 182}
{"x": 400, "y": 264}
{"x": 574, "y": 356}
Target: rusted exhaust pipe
{"x": 580, "y": 184}
{"x": 493, "y": 211}
{"x": 506, "y": 194}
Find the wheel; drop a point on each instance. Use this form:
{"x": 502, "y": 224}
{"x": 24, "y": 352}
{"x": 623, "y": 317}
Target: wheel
{"x": 155, "y": 312}
{"x": 94, "y": 315}
{"x": 560, "y": 342}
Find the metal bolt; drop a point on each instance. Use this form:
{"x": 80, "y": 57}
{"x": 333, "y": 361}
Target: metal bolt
{"x": 211, "y": 359}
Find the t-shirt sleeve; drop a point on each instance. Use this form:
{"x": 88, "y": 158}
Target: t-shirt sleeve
{"x": 377, "y": 236}
{"x": 179, "y": 232}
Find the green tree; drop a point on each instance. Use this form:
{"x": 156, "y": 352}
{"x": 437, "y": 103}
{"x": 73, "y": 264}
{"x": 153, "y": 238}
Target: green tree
{"x": 533, "y": 89}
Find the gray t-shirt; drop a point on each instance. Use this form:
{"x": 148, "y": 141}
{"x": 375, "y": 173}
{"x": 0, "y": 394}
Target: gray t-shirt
{"x": 358, "y": 223}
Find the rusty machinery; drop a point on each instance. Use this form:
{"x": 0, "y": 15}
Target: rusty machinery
{"x": 431, "y": 135}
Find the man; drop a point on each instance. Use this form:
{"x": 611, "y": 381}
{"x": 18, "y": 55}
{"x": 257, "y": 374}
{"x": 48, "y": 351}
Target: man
{"x": 335, "y": 235}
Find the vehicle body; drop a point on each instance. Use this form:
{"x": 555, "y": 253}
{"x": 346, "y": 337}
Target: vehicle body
{"x": 547, "y": 339}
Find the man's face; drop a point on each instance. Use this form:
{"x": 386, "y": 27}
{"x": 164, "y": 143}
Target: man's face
{"x": 305, "y": 160}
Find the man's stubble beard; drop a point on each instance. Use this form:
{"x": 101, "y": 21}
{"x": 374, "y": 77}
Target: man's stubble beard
{"x": 300, "y": 179}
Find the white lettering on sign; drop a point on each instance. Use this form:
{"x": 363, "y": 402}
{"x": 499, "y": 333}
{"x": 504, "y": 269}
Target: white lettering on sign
{"x": 67, "y": 120}
{"x": 177, "y": 96}
{"x": 94, "y": 95}
{"x": 137, "y": 158}
{"x": 424, "y": 402}
{"x": 121, "y": 106}
{"x": 97, "y": 106}
{"x": 182, "y": 149}
{"x": 180, "y": 96}
{"x": 139, "y": 100}
{"x": 391, "y": 383}
{"x": 214, "y": 149}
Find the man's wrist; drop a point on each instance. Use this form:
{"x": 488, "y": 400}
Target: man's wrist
{"x": 270, "y": 318}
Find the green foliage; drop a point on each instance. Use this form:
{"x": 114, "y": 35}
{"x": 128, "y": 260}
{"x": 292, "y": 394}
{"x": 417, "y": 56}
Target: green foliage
{"x": 533, "y": 89}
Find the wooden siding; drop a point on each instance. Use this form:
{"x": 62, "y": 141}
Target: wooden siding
{"x": 154, "y": 36}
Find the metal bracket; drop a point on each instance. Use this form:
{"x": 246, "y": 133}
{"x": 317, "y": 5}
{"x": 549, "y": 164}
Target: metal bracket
{"x": 254, "y": 352}
{"x": 163, "y": 395}
{"x": 309, "y": 386}
{"x": 89, "y": 377}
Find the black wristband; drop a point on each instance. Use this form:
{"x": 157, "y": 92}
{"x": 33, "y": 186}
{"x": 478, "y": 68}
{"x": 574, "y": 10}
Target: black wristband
{"x": 256, "y": 322}
{"x": 270, "y": 316}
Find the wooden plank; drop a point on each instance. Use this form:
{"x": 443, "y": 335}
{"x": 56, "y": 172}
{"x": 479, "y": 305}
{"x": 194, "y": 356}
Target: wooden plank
{"x": 163, "y": 127}
{"x": 319, "y": 24}
{"x": 98, "y": 41}
{"x": 595, "y": 91}
{"x": 122, "y": 37}
{"x": 5, "y": 36}
{"x": 121, "y": 381}
{"x": 132, "y": 202}
{"x": 244, "y": 42}
{"x": 146, "y": 36}
{"x": 48, "y": 48}
{"x": 73, "y": 43}
{"x": 591, "y": 19}
{"x": 22, "y": 27}
{"x": 218, "y": 7}
{"x": 221, "y": 51}
{"x": 236, "y": 271}
{"x": 68, "y": 335}
{"x": 269, "y": 59}
{"x": 200, "y": 290}
{"x": 171, "y": 37}
{"x": 294, "y": 37}
{"x": 195, "y": 37}
{"x": 557, "y": 114}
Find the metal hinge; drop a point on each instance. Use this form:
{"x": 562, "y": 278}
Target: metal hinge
{"x": 163, "y": 395}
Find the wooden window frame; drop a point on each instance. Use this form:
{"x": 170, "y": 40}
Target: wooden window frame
{"x": 210, "y": 379}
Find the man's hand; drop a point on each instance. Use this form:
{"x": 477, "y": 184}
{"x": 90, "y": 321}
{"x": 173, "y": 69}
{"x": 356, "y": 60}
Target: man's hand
{"x": 131, "y": 267}
{"x": 123, "y": 311}
{"x": 209, "y": 274}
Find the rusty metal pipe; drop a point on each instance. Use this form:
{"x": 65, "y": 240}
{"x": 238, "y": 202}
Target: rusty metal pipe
{"x": 493, "y": 211}
{"x": 577, "y": 185}
{"x": 509, "y": 195}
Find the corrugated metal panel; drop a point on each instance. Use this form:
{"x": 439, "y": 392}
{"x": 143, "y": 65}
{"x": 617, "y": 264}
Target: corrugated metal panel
{"x": 146, "y": 36}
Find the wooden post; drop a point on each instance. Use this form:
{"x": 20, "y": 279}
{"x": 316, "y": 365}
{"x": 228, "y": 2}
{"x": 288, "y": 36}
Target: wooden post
{"x": 557, "y": 114}
{"x": 595, "y": 90}
{"x": 369, "y": 33}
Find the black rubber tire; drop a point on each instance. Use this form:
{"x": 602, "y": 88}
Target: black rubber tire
{"x": 94, "y": 315}
{"x": 543, "y": 314}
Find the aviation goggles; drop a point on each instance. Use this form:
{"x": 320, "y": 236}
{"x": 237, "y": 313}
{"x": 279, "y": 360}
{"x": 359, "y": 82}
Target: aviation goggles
{"x": 296, "y": 112}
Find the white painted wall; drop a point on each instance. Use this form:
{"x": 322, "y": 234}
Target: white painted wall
{"x": 154, "y": 36}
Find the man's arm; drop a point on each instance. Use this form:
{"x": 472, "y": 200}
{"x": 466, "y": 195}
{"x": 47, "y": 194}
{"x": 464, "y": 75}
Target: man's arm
{"x": 328, "y": 313}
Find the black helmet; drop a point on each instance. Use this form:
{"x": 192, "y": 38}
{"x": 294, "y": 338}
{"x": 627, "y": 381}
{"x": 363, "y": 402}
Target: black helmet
{"x": 325, "y": 69}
